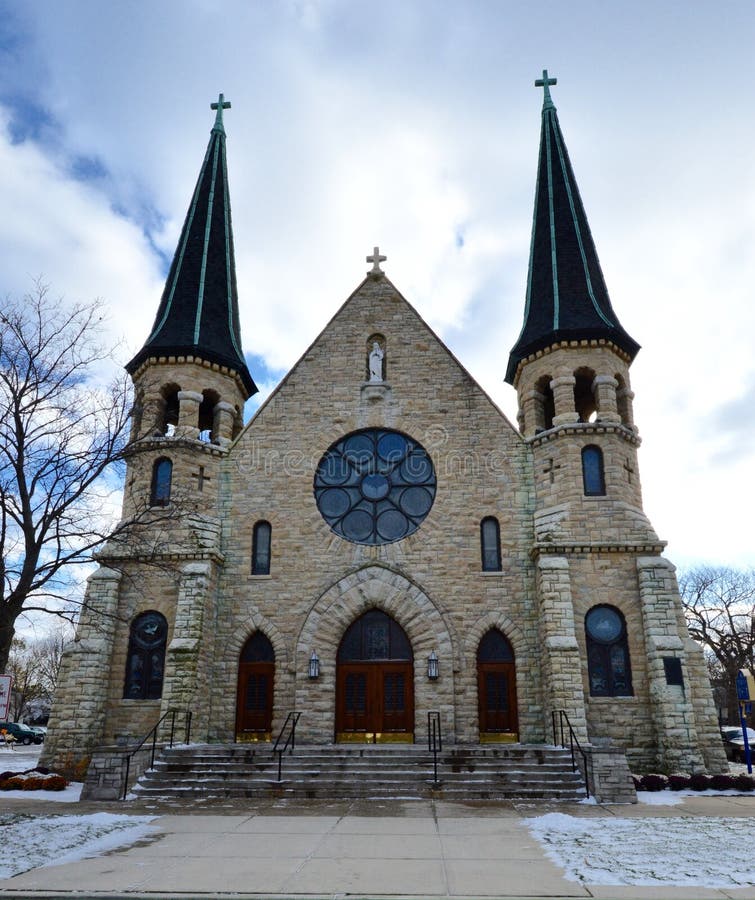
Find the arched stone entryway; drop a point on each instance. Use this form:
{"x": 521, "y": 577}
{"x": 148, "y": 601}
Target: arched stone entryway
{"x": 255, "y": 691}
{"x": 374, "y": 587}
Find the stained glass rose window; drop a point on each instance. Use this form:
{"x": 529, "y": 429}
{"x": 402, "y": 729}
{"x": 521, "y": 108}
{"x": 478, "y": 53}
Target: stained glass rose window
{"x": 375, "y": 486}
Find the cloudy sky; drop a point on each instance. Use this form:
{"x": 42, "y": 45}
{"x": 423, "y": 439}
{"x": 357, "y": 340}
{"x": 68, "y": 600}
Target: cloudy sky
{"x": 413, "y": 125}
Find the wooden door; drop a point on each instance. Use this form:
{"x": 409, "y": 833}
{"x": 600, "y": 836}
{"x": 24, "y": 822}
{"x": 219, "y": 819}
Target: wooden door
{"x": 496, "y": 687}
{"x": 255, "y": 700}
{"x": 374, "y": 701}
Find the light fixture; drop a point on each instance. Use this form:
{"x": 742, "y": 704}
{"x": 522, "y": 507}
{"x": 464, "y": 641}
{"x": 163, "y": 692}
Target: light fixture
{"x": 433, "y": 668}
{"x": 314, "y": 666}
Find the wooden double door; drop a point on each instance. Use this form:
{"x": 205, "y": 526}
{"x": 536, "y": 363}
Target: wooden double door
{"x": 375, "y": 701}
{"x": 255, "y": 691}
{"x": 496, "y": 688}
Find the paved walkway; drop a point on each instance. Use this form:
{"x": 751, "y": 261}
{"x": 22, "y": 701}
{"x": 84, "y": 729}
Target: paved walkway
{"x": 318, "y": 849}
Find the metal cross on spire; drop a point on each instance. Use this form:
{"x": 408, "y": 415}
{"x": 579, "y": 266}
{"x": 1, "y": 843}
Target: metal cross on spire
{"x": 545, "y": 83}
{"x": 220, "y": 106}
{"x": 376, "y": 259}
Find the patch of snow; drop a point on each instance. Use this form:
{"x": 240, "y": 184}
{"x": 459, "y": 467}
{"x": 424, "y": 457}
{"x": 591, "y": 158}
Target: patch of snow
{"x": 705, "y": 852}
{"x": 662, "y": 798}
{"x": 71, "y": 794}
{"x": 30, "y": 842}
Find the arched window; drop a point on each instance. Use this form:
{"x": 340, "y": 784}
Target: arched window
{"x": 162, "y": 474}
{"x": 374, "y": 636}
{"x": 593, "y": 478}
{"x": 607, "y": 653}
{"x": 146, "y": 657}
{"x": 170, "y": 409}
{"x": 207, "y": 416}
{"x": 545, "y": 408}
{"x": 261, "y": 548}
{"x": 490, "y": 544}
{"x": 584, "y": 398}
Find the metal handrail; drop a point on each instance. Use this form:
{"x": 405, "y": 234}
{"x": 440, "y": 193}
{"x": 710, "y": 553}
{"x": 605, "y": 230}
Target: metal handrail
{"x": 293, "y": 717}
{"x": 573, "y": 742}
{"x": 153, "y": 734}
{"x": 434, "y": 741}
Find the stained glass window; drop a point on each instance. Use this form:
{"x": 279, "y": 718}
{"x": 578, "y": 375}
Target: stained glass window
{"x": 162, "y": 474}
{"x": 375, "y": 486}
{"x": 592, "y": 471}
{"x": 608, "y": 653}
{"x": 146, "y": 657}
{"x": 490, "y": 545}
{"x": 374, "y": 636}
{"x": 261, "y": 548}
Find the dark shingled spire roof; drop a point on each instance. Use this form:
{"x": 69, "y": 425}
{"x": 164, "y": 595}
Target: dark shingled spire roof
{"x": 199, "y": 311}
{"x": 567, "y": 298}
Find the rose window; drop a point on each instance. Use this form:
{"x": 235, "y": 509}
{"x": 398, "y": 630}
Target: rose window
{"x": 375, "y": 486}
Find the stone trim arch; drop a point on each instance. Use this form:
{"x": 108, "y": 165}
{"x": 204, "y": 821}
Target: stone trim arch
{"x": 257, "y": 622}
{"x": 374, "y": 587}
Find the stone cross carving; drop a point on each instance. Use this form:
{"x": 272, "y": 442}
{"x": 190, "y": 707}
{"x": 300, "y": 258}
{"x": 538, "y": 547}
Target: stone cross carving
{"x": 545, "y": 83}
{"x": 200, "y": 475}
{"x": 629, "y": 470}
{"x": 376, "y": 362}
{"x": 220, "y": 106}
{"x": 376, "y": 259}
{"x": 551, "y": 470}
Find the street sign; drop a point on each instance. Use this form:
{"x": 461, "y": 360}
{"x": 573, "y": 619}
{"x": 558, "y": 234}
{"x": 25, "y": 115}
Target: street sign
{"x": 6, "y": 683}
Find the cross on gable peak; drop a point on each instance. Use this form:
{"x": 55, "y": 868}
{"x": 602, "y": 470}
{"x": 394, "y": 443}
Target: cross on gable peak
{"x": 376, "y": 259}
{"x": 545, "y": 82}
{"x": 220, "y": 106}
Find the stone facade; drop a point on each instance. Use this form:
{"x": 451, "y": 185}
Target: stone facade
{"x": 562, "y": 552}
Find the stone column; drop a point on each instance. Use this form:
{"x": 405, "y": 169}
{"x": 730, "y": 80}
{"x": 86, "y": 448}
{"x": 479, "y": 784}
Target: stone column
{"x": 81, "y": 701}
{"x": 671, "y": 707}
{"x": 604, "y": 390}
{"x": 562, "y": 667}
{"x": 624, "y": 398}
{"x": 185, "y": 685}
{"x": 563, "y": 399}
{"x": 532, "y": 409}
{"x": 188, "y": 414}
{"x": 224, "y": 415}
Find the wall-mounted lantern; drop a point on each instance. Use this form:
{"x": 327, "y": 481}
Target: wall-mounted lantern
{"x": 433, "y": 666}
{"x": 314, "y": 666}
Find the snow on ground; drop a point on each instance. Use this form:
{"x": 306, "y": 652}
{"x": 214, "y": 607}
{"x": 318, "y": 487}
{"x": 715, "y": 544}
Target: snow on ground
{"x": 32, "y": 841}
{"x": 20, "y": 759}
{"x": 706, "y": 852}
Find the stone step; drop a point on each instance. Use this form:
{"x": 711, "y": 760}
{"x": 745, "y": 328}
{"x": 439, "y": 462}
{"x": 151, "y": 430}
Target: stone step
{"x": 353, "y": 771}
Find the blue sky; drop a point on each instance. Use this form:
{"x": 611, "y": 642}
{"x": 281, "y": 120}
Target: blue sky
{"x": 415, "y": 126}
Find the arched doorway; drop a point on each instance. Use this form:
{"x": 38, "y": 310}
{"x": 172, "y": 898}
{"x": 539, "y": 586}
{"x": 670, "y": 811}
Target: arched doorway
{"x": 496, "y": 688}
{"x": 375, "y": 681}
{"x": 254, "y": 698}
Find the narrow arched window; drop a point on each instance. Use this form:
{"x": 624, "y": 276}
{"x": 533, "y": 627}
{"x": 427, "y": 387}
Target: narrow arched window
{"x": 145, "y": 661}
{"x": 592, "y": 471}
{"x": 490, "y": 544}
{"x": 162, "y": 475}
{"x": 261, "y": 548}
{"x": 608, "y": 666}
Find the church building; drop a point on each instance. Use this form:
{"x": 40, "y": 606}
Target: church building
{"x": 379, "y": 542}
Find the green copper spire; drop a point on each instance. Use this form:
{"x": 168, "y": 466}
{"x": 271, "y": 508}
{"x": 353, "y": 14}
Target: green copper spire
{"x": 567, "y": 297}
{"x": 198, "y": 314}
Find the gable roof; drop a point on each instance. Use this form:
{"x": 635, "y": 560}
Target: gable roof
{"x": 567, "y": 297}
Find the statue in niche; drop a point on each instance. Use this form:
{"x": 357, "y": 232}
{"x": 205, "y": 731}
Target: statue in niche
{"x": 376, "y": 362}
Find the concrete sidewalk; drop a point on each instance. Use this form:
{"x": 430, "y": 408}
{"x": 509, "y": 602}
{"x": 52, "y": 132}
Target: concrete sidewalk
{"x": 351, "y": 849}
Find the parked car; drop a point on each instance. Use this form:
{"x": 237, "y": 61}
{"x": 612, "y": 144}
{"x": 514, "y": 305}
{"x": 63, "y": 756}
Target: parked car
{"x": 41, "y": 730}
{"x": 734, "y": 743}
{"x": 22, "y": 733}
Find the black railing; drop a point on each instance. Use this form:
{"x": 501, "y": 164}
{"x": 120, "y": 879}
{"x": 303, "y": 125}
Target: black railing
{"x": 561, "y": 728}
{"x": 289, "y": 729}
{"x": 152, "y": 733}
{"x": 434, "y": 741}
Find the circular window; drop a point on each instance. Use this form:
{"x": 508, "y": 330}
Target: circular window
{"x": 375, "y": 486}
{"x": 604, "y": 624}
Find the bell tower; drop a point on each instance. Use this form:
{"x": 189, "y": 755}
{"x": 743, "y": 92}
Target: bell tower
{"x": 190, "y": 377}
{"x": 610, "y": 619}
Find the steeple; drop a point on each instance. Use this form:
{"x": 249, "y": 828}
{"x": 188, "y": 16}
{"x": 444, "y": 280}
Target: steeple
{"x": 198, "y": 314}
{"x": 567, "y": 298}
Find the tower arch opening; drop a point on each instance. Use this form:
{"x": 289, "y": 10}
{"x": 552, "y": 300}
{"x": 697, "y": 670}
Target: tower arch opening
{"x": 545, "y": 407}
{"x": 206, "y": 421}
{"x": 169, "y": 405}
{"x": 584, "y": 396}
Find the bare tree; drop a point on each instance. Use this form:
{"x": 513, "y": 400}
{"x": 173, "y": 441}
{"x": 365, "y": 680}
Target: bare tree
{"x": 719, "y": 604}
{"x": 60, "y": 431}
{"x": 34, "y": 666}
